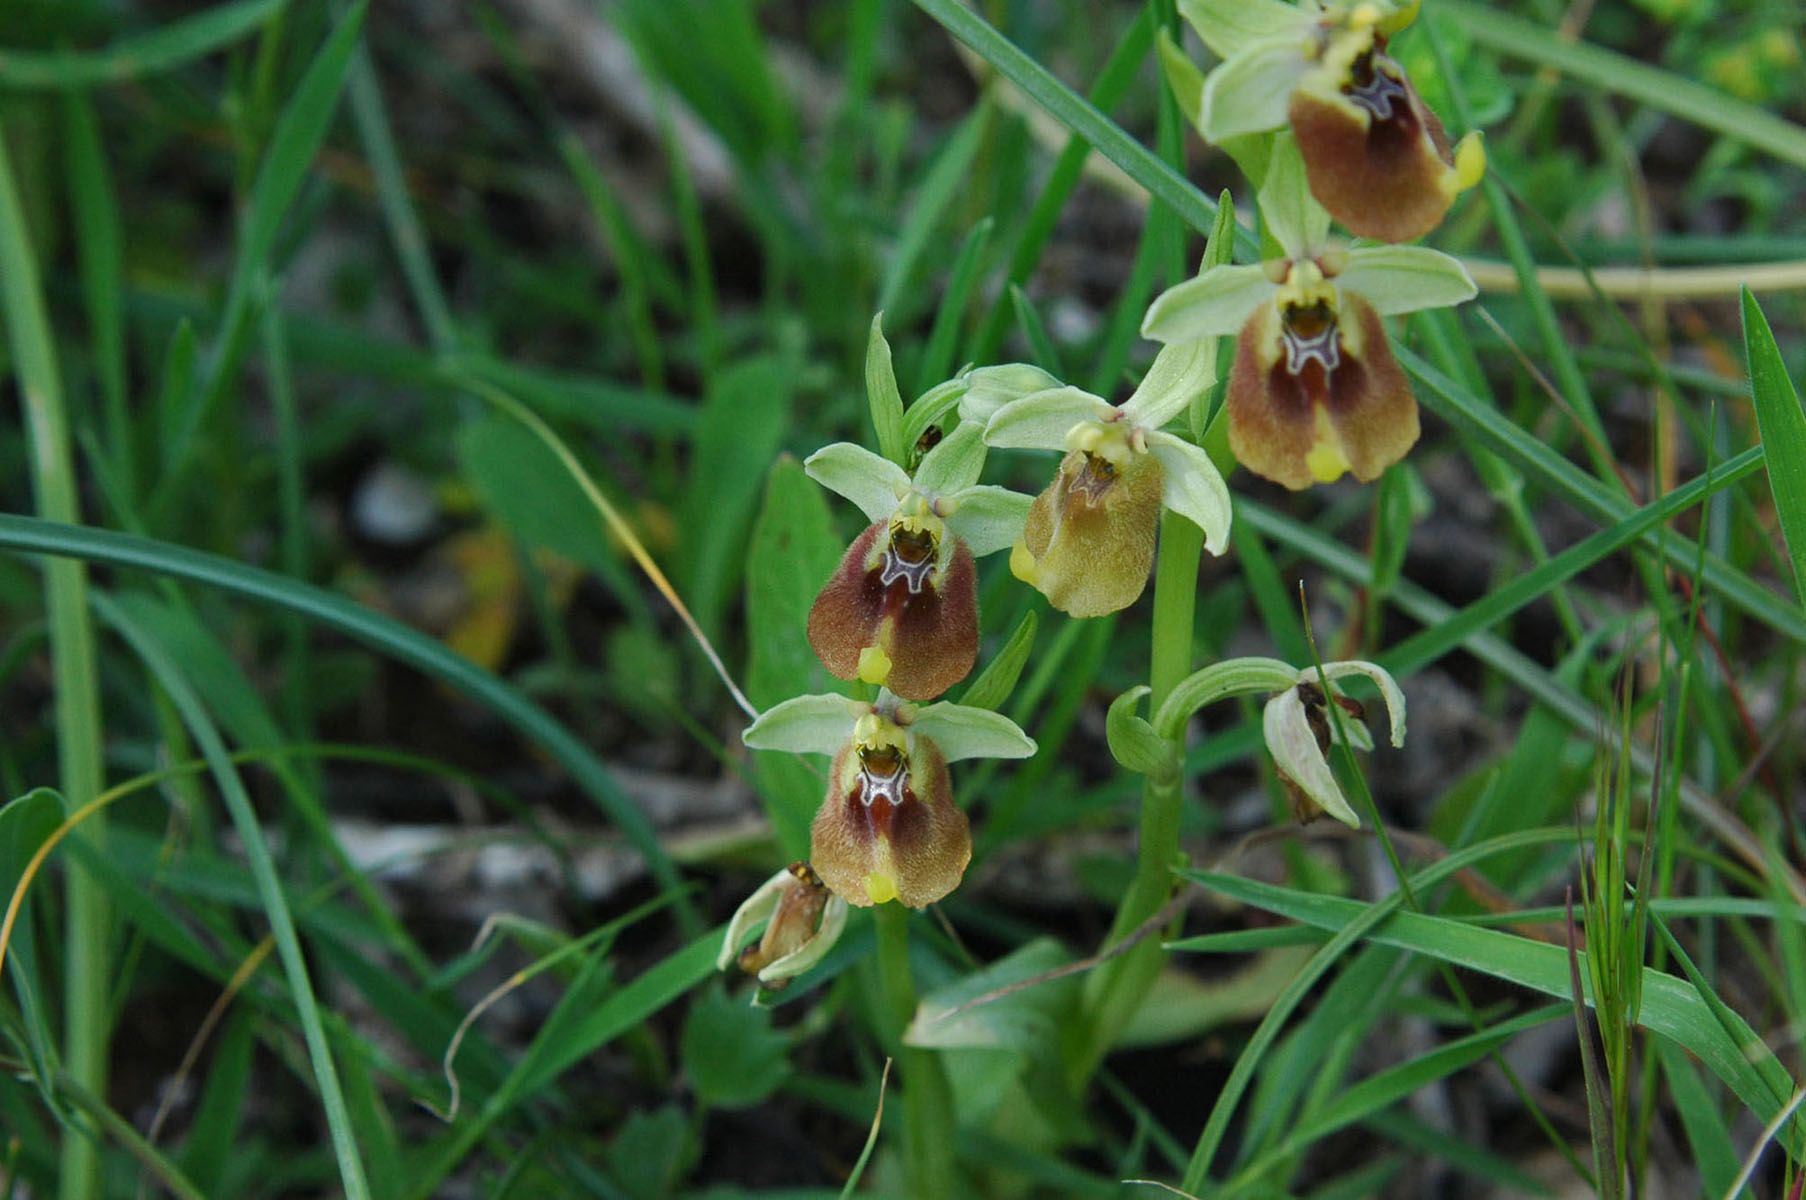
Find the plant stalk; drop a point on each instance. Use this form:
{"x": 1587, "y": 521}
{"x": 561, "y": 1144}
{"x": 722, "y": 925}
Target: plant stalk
{"x": 928, "y": 1129}
{"x": 1116, "y": 990}
{"x": 87, "y": 980}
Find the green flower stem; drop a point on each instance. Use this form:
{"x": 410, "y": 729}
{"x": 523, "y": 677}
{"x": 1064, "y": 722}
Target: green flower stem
{"x": 1116, "y": 989}
{"x": 87, "y": 978}
{"x": 927, "y": 1097}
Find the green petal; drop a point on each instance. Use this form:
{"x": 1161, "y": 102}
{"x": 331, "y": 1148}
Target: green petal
{"x": 754, "y": 911}
{"x": 954, "y": 464}
{"x": 1294, "y": 749}
{"x": 1182, "y": 76}
{"x": 1041, "y": 421}
{"x": 990, "y": 388}
{"x": 1134, "y": 744}
{"x": 961, "y": 731}
{"x": 1191, "y": 487}
{"x": 1389, "y": 689}
{"x": 1359, "y": 736}
{"x": 875, "y": 484}
{"x": 1401, "y": 279}
{"x": 1249, "y": 92}
{"x": 1180, "y": 371}
{"x": 1292, "y": 214}
{"x": 989, "y": 519}
{"x": 1226, "y": 26}
{"x": 833, "y": 924}
{"x": 817, "y": 724}
{"x": 1213, "y": 304}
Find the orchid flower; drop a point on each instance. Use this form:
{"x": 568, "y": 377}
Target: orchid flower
{"x": 888, "y": 828}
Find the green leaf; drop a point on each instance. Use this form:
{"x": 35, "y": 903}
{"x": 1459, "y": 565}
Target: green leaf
{"x": 169, "y": 675}
{"x": 1182, "y": 76}
{"x": 1386, "y": 1088}
{"x": 385, "y": 634}
{"x": 1707, "y": 1136}
{"x": 1023, "y": 1020}
{"x": 733, "y": 1056}
{"x": 171, "y": 45}
{"x": 625, "y": 1008}
{"x": 294, "y": 142}
{"x": 26, "y": 822}
{"x": 652, "y": 1151}
{"x": 1662, "y": 90}
{"x": 1671, "y": 1007}
{"x": 375, "y": 1128}
{"x": 1783, "y": 429}
{"x": 932, "y": 408}
{"x": 1041, "y": 344}
{"x": 405, "y": 232}
{"x": 745, "y": 414}
{"x": 882, "y": 395}
{"x": 214, "y": 1131}
{"x": 1134, "y": 744}
{"x": 177, "y": 392}
{"x": 995, "y": 683}
{"x": 99, "y": 239}
{"x": 1077, "y": 114}
{"x": 946, "y": 178}
{"x": 530, "y": 494}
{"x": 793, "y": 551}
{"x": 937, "y": 357}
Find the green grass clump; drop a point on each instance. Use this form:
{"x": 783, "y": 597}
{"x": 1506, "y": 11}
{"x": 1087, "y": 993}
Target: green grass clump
{"x": 404, "y": 515}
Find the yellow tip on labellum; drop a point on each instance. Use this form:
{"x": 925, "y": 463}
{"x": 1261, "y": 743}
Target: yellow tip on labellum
{"x": 874, "y": 665}
{"x": 1325, "y": 459}
{"x": 1022, "y": 563}
{"x": 1400, "y": 18}
{"x": 881, "y": 888}
{"x": 1470, "y": 160}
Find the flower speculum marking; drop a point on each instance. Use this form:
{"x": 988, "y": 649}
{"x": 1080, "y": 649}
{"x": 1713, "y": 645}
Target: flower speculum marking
{"x": 883, "y": 775}
{"x": 911, "y": 556}
{"x": 1310, "y": 334}
{"x": 1308, "y": 328}
{"x": 1374, "y": 89}
{"x": 1095, "y": 480}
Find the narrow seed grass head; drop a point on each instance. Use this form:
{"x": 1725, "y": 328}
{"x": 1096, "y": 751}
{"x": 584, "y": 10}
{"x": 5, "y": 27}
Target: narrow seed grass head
{"x": 887, "y": 828}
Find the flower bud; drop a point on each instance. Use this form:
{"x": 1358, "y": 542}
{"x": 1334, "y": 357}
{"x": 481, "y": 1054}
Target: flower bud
{"x": 802, "y": 919}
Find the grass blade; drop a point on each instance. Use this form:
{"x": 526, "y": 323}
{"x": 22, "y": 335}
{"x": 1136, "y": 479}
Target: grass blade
{"x": 73, "y": 668}
{"x": 1707, "y": 1136}
{"x": 98, "y": 240}
{"x": 296, "y": 139}
{"x": 269, "y": 887}
{"x": 1671, "y": 1007}
{"x": 173, "y": 45}
{"x": 1077, "y": 114}
{"x": 372, "y": 120}
{"x": 384, "y": 633}
{"x": 1783, "y": 429}
{"x": 946, "y": 180}
{"x": 1661, "y": 90}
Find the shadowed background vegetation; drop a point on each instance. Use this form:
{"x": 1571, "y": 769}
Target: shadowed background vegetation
{"x": 372, "y": 722}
